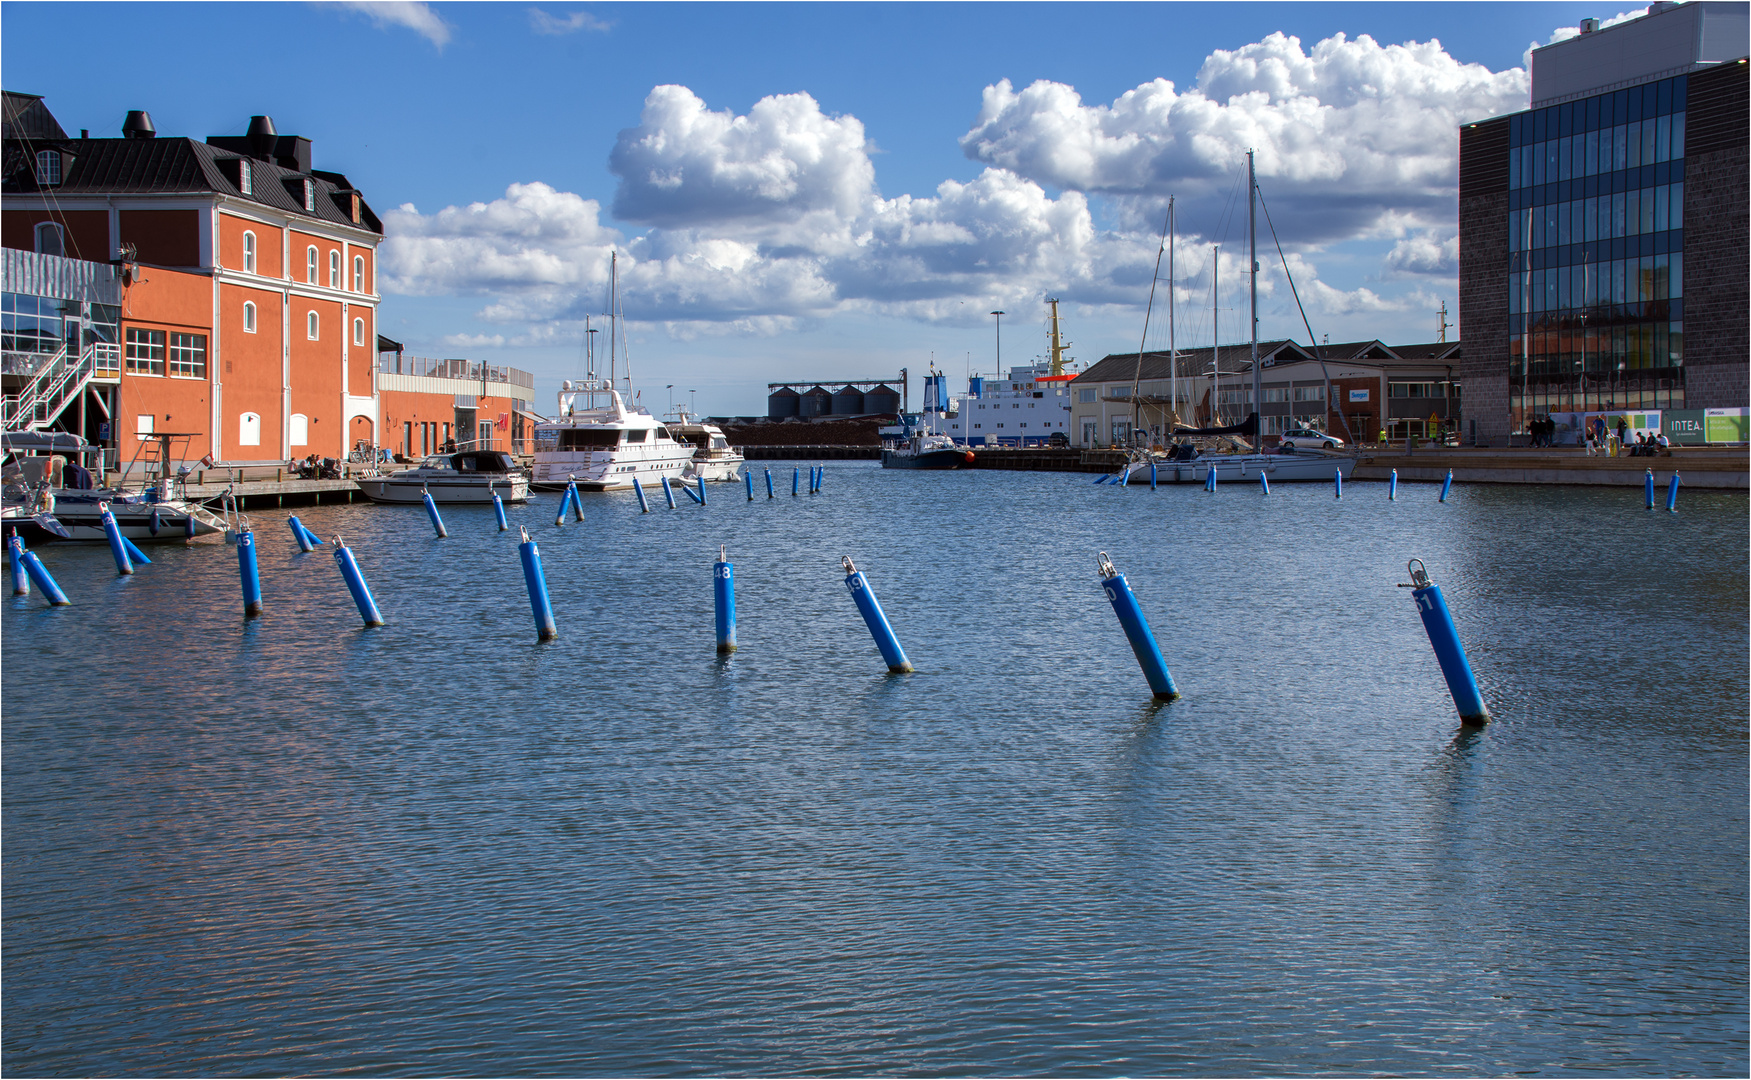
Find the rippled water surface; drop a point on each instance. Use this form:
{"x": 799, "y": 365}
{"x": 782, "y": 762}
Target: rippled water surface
{"x": 438, "y": 847}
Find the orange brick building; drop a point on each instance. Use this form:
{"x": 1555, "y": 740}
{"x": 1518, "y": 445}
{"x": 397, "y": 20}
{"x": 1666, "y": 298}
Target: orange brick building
{"x": 242, "y": 293}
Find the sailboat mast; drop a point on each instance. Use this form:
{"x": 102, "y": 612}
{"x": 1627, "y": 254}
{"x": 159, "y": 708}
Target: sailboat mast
{"x": 1137, "y": 379}
{"x": 1215, "y": 335}
{"x": 613, "y": 309}
{"x": 1172, "y": 348}
{"x": 1252, "y": 238}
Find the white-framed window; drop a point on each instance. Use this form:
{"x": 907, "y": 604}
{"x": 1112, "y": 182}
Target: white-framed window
{"x": 143, "y": 424}
{"x": 245, "y": 177}
{"x": 334, "y": 269}
{"x": 358, "y": 331}
{"x": 249, "y": 429}
{"x": 309, "y": 196}
{"x": 145, "y": 351}
{"x": 312, "y": 327}
{"x": 48, "y": 167}
{"x": 298, "y": 429}
{"x": 310, "y": 264}
{"x": 248, "y": 317}
{"x": 49, "y": 240}
{"x": 248, "y": 252}
{"x": 358, "y": 273}
{"x": 188, "y": 356}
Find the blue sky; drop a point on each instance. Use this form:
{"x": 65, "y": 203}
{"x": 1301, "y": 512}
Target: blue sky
{"x": 836, "y": 190}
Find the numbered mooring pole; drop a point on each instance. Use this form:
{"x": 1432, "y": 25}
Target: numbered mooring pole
{"x": 1137, "y": 630}
{"x": 249, "y": 574}
{"x": 1461, "y": 683}
{"x": 1672, "y": 495}
{"x": 723, "y": 591}
{"x": 432, "y": 512}
{"x": 300, "y": 535}
{"x": 113, "y": 532}
{"x": 1648, "y": 484}
{"x": 545, "y": 630}
{"x": 15, "y": 565}
{"x": 349, "y": 569}
{"x": 44, "y": 582}
{"x": 871, "y": 609}
{"x": 498, "y": 509}
{"x": 1392, "y": 486}
{"x": 769, "y": 483}
{"x": 644, "y": 506}
{"x": 1447, "y": 485}
{"x": 668, "y": 493}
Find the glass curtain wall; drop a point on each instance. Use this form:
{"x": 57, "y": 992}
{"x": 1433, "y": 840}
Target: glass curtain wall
{"x": 1596, "y": 253}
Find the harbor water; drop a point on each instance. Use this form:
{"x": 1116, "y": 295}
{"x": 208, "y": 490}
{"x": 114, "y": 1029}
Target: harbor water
{"x": 294, "y": 845}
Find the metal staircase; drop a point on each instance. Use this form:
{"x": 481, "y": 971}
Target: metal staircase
{"x": 56, "y": 383}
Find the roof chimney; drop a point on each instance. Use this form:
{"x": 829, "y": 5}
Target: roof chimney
{"x": 1589, "y": 25}
{"x": 138, "y": 125}
{"x": 262, "y": 137}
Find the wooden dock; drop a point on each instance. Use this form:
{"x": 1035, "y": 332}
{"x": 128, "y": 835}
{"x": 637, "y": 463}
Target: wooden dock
{"x": 1701, "y": 466}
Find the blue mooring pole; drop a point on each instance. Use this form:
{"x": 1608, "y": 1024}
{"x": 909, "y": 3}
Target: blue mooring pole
{"x": 432, "y": 512}
{"x": 1648, "y": 484}
{"x": 696, "y": 496}
{"x": 135, "y": 555}
{"x": 701, "y": 479}
{"x": 349, "y": 569}
{"x": 577, "y": 500}
{"x": 1152, "y": 476}
{"x": 1392, "y": 486}
{"x": 644, "y": 506}
{"x": 1210, "y": 477}
{"x": 1672, "y": 495}
{"x": 1102, "y": 478}
{"x": 1337, "y": 482}
{"x": 545, "y": 630}
{"x": 1461, "y": 683}
{"x": 124, "y": 565}
{"x": 248, "y": 574}
{"x": 1264, "y": 483}
{"x": 298, "y": 534}
{"x": 1446, "y": 485}
{"x": 1137, "y": 630}
{"x": 796, "y": 479}
{"x": 748, "y": 476}
{"x": 315, "y": 541}
{"x": 723, "y": 592}
{"x": 498, "y": 510}
{"x": 769, "y": 483}
{"x": 15, "y": 565}
{"x": 668, "y": 493}
{"x": 871, "y": 609}
{"x": 564, "y": 505}
{"x": 40, "y": 574}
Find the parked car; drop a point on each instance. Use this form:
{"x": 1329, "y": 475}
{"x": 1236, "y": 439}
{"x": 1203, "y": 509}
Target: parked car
{"x": 1309, "y": 438}
{"x": 1058, "y": 438}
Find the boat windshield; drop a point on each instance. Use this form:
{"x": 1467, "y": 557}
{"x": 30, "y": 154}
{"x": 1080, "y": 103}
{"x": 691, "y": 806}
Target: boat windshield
{"x": 588, "y": 438}
{"x": 435, "y": 463}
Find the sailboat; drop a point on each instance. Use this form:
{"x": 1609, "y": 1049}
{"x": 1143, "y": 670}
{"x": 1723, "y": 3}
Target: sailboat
{"x": 1184, "y": 463}
{"x": 597, "y": 440}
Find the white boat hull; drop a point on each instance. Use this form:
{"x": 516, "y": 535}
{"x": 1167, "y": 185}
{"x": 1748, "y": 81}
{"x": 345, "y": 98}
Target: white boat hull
{"x": 460, "y": 492}
{"x": 610, "y": 472}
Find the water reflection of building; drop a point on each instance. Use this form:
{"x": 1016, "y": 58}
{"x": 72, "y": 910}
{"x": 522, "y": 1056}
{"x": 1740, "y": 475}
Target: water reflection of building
{"x": 1603, "y": 232}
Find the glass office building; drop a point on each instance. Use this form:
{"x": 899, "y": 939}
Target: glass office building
{"x": 1595, "y": 273}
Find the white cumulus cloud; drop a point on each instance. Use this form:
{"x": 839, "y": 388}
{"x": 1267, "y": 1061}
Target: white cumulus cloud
{"x": 570, "y": 23}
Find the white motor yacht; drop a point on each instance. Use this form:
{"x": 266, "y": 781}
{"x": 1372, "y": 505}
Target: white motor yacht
{"x": 468, "y": 476}
{"x": 599, "y": 442}
{"x": 713, "y": 457}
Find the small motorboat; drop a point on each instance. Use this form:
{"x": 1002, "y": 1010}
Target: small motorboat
{"x": 468, "y": 476}
{"x": 49, "y": 497}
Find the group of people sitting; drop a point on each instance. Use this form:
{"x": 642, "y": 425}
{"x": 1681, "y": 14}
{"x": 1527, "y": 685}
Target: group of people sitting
{"x": 1649, "y": 446}
{"x": 315, "y": 468}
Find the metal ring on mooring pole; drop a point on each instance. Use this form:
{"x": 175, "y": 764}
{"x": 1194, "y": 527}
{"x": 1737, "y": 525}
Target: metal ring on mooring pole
{"x": 723, "y": 592}
{"x": 113, "y": 532}
{"x": 249, "y": 574}
{"x": 349, "y": 569}
{"x": 873, "y": 617}
{"x": 644, "y": 506}
{"x": 44, "y": 582}
{"x": 299, "y": 535}
{"x": 1444, "y": 636}
{"x": 1137, "y": 630}
{"x": 15, "y": 565}
{"x": 432, "y": 512}
{"x": 1672, "y": 494}
{"x": 1446, "y": 485}
{"x": 545, "y": 629}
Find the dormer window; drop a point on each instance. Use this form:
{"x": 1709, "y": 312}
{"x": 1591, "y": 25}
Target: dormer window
{"x": 48, "y": 168}
{"x": 309, "y": 196}
{"x": 245, "y": 177}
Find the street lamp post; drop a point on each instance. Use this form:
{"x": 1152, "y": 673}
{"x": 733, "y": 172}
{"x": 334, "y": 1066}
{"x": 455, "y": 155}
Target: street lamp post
{"x": 999, "y": 372}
